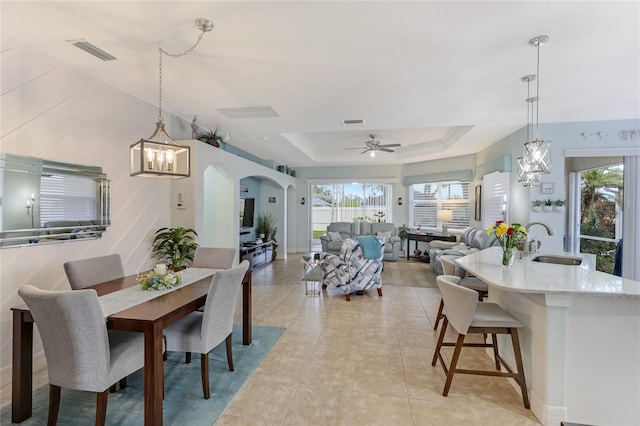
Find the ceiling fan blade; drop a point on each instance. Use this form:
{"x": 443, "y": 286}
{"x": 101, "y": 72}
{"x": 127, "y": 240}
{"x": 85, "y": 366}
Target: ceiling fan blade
{"x": 389, "y": 145}
{"x": 385, "y": 149}
{"x": 367, "y": 150}
{"x": 357, "y": 147}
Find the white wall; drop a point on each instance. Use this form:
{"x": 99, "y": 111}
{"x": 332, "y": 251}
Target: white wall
{"x": 52, "y": 113}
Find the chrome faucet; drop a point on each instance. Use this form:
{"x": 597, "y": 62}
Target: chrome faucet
{"x": 547, "y": 227}
{"x": 531, "y": 246}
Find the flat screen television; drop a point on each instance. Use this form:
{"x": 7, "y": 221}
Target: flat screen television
{"x": 246, "y": 212}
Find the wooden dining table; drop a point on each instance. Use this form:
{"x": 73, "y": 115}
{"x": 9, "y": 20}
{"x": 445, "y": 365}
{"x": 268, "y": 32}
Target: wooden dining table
{"x": 149, "y": 317}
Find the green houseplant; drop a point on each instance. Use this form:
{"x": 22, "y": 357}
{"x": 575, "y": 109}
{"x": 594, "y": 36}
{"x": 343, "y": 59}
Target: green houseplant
{"x": 175, "y": 246}
{"x": 266, "y": 225}
{"x": 402, "y": 234}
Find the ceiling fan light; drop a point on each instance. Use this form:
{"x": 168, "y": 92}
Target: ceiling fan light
{"x": 373, "y": 153}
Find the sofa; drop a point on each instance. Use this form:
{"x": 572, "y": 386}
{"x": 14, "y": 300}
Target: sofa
{"x": 337, "y": 232}
{"x": 471, "y": 239}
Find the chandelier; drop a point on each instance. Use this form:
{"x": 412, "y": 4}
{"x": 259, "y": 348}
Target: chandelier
{"x": 536, "y": 157}
{"x": 160, "y": 156}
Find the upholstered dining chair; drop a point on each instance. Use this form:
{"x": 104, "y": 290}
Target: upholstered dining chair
{"x": 468, "y": 316}
{"x": 83, "y": 273}
{"x": 200, "y": 332}
{"x": 214, "y": 257}
{"x": 450, "y": 268}
{"x": 81, "y": 353}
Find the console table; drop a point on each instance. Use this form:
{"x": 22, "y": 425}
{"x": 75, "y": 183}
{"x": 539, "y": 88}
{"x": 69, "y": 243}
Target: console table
{"x": 426, "y": 238}
{"x": 257, "y": 254}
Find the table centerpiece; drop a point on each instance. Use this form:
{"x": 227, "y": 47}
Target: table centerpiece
{"x": 160, "y": 278}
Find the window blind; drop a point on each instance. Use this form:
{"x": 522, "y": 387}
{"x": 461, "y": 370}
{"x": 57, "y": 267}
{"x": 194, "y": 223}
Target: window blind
{"x": 68, "y": 198}
{"x": 494, "y": 196}
{"x": 427, "y": 198}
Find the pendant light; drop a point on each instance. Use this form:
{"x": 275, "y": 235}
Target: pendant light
{"x": 537, "y": 152}
{"x": 160, "y": 156}
{"x": 524, "y": 169}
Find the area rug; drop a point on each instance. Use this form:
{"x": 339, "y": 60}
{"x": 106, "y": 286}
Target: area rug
{"x": 404, "y": 273}
{"x": 184, "y": 403}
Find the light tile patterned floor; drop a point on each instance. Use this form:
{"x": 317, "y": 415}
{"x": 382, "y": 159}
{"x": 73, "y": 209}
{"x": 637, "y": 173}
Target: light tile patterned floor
{"x": 364, "y": 362}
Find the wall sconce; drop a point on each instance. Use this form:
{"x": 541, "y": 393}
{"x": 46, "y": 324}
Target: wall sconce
{"x": 399, "y": 201}
{"x": 29, "y": 205}
{"x": 302, "y": 201}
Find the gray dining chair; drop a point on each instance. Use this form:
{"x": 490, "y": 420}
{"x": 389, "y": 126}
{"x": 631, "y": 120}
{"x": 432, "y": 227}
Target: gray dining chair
{"x": 467, "y": 316}
{"x": 81, "y": 353}
{"x": 451, "y": 269}
{"x": 214, "y": 257}
{"x": 83, "y": 273}
{"x": 200, "y": 332}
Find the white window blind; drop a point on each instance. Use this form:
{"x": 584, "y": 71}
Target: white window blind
{"x": 68, "y": 198}
{"x": 427, "y": 198}
{"x": 494, "y": 197}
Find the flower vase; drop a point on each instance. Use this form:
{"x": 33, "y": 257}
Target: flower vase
{"x": 507, "y": 257}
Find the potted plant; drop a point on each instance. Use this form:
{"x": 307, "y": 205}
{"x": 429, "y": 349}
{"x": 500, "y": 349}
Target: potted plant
{"x": 558, "y": 205}
{"x": 380, "y": 216}
{"x": 358, "y": 224}
{"x": 547, "y": 205}
{"x": 214, "y": 137}
{"x": 266, "y": 225}
{"x": 402, "y": 234}
{"x": 536, "y": 205}
{"x": 175, "y": 246}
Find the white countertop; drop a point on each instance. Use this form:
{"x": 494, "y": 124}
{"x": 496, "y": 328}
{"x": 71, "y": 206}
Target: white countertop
{"x": 526, "y": 276}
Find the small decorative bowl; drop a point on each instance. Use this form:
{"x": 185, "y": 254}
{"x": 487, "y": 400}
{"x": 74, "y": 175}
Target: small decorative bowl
{"x": 306, "y": 257}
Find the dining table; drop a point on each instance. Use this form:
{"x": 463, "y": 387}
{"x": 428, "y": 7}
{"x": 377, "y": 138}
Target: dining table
{"x": 127, "y": 308}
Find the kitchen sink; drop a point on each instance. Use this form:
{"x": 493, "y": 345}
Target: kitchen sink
{"x": 557, "y": 259}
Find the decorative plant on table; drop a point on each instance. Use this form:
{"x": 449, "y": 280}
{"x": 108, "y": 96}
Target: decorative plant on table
{"x": 379, "y": 216}
{"x": 509, "y": 237}
{"x": 266, "y": 226}
{"x": 175, "y": 246}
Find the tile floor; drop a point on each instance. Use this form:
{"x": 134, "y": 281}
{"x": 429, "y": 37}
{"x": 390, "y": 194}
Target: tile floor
{"x": 364, "y": 362}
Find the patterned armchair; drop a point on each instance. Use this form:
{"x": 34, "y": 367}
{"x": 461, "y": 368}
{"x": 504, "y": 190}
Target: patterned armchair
{"x": 351, "y": 271}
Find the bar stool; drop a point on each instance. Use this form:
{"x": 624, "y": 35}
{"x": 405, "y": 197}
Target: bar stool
{"x": 449, "y": 268}
{"x": 466, "y": 316}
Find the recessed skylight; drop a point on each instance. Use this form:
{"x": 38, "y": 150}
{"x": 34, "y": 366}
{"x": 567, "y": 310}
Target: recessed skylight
{"x": 249, "y": 112}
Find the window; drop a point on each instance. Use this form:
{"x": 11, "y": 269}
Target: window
{"x": 427, "y": 198}
{"x": 494, "y": 198}
{"x": 348, "y": 202}
{"x": 67, "y": 198}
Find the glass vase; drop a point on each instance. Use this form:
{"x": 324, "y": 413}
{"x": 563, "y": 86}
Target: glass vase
{"x": 507, "y": 257}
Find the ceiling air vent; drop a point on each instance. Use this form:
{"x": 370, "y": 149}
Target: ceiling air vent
{"x": 95, "y": 51}
{"x": 353, "y": 122}
{"x": 249, "y": 112}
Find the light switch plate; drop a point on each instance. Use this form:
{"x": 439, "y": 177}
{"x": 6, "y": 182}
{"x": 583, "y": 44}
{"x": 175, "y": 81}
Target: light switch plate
{"x": 546, "y": 188}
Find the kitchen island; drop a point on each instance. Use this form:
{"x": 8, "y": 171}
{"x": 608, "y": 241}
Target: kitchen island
{"x": 581, "y": 336}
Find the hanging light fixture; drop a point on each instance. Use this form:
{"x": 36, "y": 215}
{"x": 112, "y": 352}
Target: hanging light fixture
{"x": 525, "y": 176}
{"x": 537, "y": 152}
{"x": 160, "y": 156}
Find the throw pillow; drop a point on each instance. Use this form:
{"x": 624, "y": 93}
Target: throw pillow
{"x": 385, "y": 235}
{"x": 334, "y": 236}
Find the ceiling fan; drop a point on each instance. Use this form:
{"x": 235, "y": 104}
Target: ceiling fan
{"x": 374, "y": 145}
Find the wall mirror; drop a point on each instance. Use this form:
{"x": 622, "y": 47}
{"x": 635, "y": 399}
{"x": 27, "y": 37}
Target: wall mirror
{"x": 43, "y": 201}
